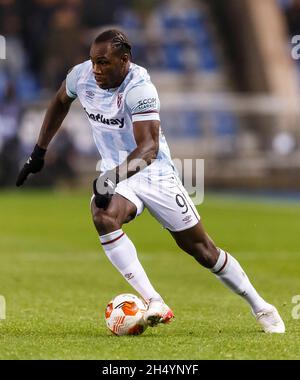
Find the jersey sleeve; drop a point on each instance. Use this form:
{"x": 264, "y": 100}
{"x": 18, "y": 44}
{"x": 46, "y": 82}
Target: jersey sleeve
{"x": 71, "y": 82}
{"x": 143, "y": 102}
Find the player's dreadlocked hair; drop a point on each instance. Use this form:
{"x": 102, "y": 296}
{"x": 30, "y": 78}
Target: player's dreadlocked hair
{"x": 118, "y": 40}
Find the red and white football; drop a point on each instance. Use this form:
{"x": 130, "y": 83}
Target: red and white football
{"x": 124, "y": 315}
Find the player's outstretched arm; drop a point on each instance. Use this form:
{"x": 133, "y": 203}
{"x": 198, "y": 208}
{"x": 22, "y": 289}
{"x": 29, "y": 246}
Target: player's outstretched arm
{"x": 146, "y": 135}
{"x": 56, "y": 113}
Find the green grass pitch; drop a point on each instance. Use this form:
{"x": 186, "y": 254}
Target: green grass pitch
{"x": 57, "y": 281}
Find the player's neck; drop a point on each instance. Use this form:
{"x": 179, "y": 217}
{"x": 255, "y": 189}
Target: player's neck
{"x": 118, "y": 84}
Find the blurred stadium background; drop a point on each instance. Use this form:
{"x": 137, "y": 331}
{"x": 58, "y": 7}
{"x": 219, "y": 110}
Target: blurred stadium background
{"x": 228, "y": 85}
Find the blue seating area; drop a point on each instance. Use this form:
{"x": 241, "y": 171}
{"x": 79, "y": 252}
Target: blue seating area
{"x": 188, "y": 31}
{"x": 176, "y": 40}
{"x": 184, "y": 40}
{"x": 197, "y": 124}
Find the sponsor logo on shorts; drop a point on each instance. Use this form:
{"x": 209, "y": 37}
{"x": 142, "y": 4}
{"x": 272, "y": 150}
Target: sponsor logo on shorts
{"x": 129, "y": 276}
{"x": 187, "y": 219}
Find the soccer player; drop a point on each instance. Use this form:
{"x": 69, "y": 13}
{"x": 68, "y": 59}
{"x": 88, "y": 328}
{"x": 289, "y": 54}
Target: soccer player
{"x": 122, "y": 106}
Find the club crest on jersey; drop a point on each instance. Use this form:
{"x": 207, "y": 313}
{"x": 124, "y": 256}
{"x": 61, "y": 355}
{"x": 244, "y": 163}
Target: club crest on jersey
{"x": 102, "y": 119}
{"x": 119, "y": 99}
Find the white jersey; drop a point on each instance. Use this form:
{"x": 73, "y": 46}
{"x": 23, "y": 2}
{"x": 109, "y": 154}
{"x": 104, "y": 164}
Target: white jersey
{"x": 112, "y": 112}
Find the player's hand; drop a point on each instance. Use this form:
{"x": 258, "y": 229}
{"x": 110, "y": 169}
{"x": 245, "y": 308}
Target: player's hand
{"x": 104, "y": 188}
{"x": 33, "y": 165}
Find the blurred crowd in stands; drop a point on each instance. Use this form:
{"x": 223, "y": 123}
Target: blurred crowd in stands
{"x": 45, "y": 38}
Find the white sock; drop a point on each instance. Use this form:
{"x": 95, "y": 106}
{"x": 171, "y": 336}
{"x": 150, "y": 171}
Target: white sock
{"x": 229, "y": 271}
{"x": 122, "y": 254}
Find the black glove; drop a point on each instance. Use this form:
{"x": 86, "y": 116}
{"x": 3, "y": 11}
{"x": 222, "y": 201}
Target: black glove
{"x": 104, "y": 188}
{"x": 34, "y": 164}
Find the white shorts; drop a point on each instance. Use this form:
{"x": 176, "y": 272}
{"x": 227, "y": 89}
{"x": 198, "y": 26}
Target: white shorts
{"x": 165, "y": 198}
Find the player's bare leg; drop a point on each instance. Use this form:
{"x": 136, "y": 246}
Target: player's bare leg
{"x": 198, "y": 244}
{"x": 118, "y": 247}
{"x": 118, "y": 212}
